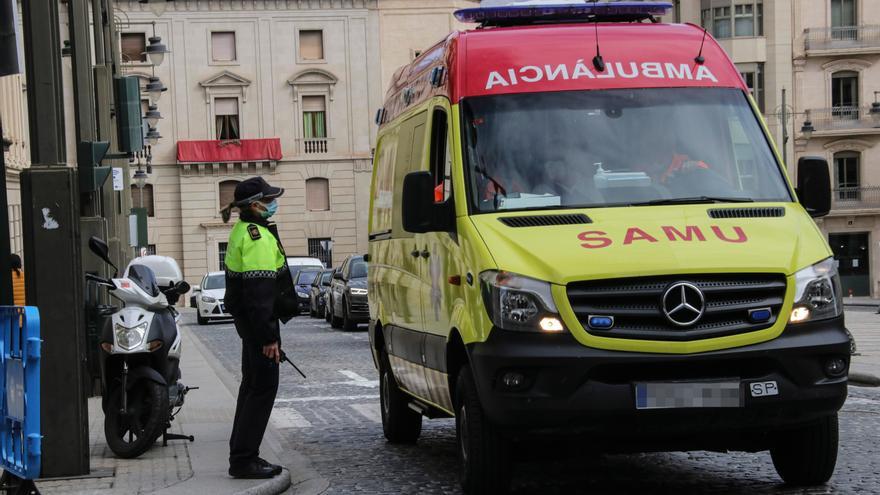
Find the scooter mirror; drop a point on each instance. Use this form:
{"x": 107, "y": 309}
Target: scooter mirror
{"x": 182, "y": 287}
{"x": 100, "y": 248}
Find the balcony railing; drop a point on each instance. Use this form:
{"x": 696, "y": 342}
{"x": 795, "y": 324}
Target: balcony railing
{"x": 855, "y": 198}
{"x": 842, "y": 38}
{"x": 314, "y": 146}
{"x": 842, "y": 118}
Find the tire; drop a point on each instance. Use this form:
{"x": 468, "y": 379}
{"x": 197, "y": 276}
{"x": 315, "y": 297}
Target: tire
{"x": 482, "y": 451}
{"x": 327, "y": 316}
{"x": 807, "y": 456}
{"x": 335, "y": 321}
{"x": 313, "y": 313}
{"x": 200, "y": 319}
{"x": 399, "y": 423}
{"x": 347, "y": 324}
{"x": 148, "y": 407}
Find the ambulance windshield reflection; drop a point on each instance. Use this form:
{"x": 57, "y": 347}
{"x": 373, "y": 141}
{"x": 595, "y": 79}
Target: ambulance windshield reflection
{"x": 616, "y": 148}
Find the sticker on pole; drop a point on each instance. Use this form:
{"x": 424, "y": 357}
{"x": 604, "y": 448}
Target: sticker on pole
{"x": 118, "y": 179}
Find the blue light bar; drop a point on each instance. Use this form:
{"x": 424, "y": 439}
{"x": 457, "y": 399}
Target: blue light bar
{"x": 541, "y": 10}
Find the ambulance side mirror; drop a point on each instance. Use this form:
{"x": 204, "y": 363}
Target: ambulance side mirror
{"x": 420, "y": 213}
{"x": 814, "y": 185}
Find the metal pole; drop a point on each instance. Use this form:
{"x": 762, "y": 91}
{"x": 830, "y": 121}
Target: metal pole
{"x": 50, "y": 211}
{"x": 784, "y": 130}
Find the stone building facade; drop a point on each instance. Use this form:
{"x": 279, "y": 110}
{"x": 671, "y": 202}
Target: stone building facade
{"x": 13, "y": 114}
{"x": 282, "y": 88}
{"x": 826, "y": 55}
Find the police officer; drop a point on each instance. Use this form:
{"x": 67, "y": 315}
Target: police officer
{"x": 255, "y": 264}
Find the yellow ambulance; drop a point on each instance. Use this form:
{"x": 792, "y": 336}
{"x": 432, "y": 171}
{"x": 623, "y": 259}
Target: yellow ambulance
{"x": 580, "y": 226}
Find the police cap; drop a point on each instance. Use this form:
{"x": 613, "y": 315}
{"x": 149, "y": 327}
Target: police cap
{"x": 255, "y": 189}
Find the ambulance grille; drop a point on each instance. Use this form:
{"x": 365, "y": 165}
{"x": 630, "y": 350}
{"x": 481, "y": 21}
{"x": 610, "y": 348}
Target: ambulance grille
{"x": 747, "y": 212}
{"x": 636, "y": 305}
{"x": 543, "y": 220}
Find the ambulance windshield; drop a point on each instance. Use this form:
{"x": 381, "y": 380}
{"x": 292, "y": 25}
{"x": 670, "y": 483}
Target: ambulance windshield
{"x": 617, "y": 148}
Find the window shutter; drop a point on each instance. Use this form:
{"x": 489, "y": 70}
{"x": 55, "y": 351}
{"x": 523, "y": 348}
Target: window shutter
{"x": 314, "y": 104}
{"x": 311, "y": 45}
{"x": 133, "y": 46}
{"x": 223, "y": 46}
{"x": 225, "y": 106}
{"x": 227, "y": 192}
{"x": 317, "y": 194}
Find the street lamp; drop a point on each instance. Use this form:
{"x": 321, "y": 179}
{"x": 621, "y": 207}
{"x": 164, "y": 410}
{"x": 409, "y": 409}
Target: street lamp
{"x": 140, "y": 178}
{"x": 156, "y": 51}
{"x": 152, "y": 116}
{"x": 153, "y": 136}
{"x": 807, "y": 129}
{"x": 155, "y": 88}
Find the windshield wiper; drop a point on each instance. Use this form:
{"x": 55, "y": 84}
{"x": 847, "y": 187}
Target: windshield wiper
{"x": 692, "y": 200}
{"x": 481, "y": 169}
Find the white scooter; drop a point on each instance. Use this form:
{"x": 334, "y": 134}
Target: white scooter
{"x": 140, "y": 365}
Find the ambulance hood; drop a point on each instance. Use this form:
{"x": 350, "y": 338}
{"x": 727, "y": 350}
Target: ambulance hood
{"x": 656, "y": 240}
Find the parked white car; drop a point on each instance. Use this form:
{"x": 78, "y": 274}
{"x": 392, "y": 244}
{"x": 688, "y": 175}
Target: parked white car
{"x": 297, "y": 263}
{"x": 209, "y": 298}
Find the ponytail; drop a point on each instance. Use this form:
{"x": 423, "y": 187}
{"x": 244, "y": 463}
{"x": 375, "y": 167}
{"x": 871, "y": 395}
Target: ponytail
{"x": 226, "y": 212}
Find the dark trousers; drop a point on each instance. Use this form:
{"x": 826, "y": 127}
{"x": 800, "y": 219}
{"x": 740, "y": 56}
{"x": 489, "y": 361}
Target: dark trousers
{"x": 256, "y": 396}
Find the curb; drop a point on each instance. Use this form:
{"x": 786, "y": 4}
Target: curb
{"x": 864, "y": 380}
{"x": 272, "y": 486}
{"x": 305, "y": 480}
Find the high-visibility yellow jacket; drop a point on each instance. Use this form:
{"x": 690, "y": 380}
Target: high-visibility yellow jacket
{"x": 18, "y": 287}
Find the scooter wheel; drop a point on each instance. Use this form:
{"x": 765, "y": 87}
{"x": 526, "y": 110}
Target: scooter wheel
{"x": 132, "y": 432}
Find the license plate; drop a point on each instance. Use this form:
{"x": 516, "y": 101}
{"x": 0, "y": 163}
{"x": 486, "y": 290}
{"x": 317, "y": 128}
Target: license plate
{"x": 672, "y": 395}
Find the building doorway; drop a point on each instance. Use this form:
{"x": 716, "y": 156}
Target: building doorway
{"x": 852, "y": 251}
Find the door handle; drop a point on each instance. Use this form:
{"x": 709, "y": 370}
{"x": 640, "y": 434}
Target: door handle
{"x": 425, "y": 253}
{"x": 414, "y": 253}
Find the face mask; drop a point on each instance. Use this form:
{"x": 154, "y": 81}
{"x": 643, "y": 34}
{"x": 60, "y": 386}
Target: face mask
{"x": 270, "y": 209}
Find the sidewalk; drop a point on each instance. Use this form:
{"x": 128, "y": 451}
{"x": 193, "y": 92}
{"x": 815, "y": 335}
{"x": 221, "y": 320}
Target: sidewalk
{"x": 181, "y": 467}
{"x": 865, "y": 365}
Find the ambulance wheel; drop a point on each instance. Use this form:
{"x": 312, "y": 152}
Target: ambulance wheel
{"x": 807, "y": 456}
{"x": 399, "y": 423}
{"x": 482, "y": 450}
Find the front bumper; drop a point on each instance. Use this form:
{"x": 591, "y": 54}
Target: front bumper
{"x": 572, "y": 388}
{"x": 215, "y": 309}
{"x": 359, "y": 310}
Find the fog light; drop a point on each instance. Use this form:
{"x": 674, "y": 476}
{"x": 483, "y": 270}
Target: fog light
{"x": 551, "y": 325}
{"x": 835, "y": 367}
{"x": 513, "y": 380}
{"x": 799, "y": 314}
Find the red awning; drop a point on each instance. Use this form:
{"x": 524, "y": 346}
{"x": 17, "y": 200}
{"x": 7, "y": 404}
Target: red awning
{"x": 244, "y": 150}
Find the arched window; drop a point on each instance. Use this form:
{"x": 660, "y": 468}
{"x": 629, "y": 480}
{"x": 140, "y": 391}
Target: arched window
{"x": 227, "y": 192}
{"x": 143, "y": 198}
{"x": 847, "y": 175}
{"x": 317, "y": 194}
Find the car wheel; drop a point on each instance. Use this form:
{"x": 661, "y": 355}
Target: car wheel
{"x": 399, "y": 423}
{"x": 806, "y": 456}
{"x": 201, "y": 320}
{"x": 482, "y": 450}
{"x": 335, "y": 321}
{"x": 327, "y": 316}
{"x": 347, "y": 323}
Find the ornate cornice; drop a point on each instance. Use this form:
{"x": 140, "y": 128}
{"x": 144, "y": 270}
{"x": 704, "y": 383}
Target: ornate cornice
{"x": 848, "y": 145}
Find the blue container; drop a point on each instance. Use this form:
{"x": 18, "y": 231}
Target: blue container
{"x": 20, "y": 439}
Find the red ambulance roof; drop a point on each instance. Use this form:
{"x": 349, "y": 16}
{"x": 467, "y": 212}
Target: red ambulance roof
{"x": 558, "y": 57}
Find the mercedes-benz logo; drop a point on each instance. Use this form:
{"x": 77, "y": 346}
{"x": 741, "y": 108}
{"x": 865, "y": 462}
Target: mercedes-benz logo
{"x": 683, "y": 304}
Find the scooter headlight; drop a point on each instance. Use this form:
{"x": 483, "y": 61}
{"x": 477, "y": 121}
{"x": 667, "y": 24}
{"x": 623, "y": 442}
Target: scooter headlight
{"x": 817, "y": 293}
{"x": 130, "y": 338}
{"x": 519, "y": 303}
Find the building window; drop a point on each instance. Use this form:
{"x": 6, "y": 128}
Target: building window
{"x": 845, "y": 95}
{"x": 142, "y": 197}
{"x": 676, "y": 11}
{"x": 227, "y": 192}
{"x": 733, "y": 18}
{"x": 133, "y": 47}
{"x": 317, "y": 194}
{"x": 843, "y": 13}
{"x": 226, "y": 118}
{"x": 322, "y": 248}
{"x": 314, "y": 117}
{"x": 150, "y": 250}
{"x": 753, "y": 75}
{"x": 311, "y": 45}
{"x": 221, "y": 254}
{"x": 846, "y": 168}
{"x": 223, "y": 46}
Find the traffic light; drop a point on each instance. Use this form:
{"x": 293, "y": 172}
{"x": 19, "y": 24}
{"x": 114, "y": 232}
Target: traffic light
{"x": 88, "y": 157}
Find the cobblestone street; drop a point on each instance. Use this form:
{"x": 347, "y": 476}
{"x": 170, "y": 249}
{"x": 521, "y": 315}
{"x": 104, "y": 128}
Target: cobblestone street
{"x": 333, "y": 419}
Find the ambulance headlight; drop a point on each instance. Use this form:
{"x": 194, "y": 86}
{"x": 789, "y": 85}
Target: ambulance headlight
{"x": 519, "y": 303}
{"x": 130, "y": 338}
{"x": 817, "y": 294}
